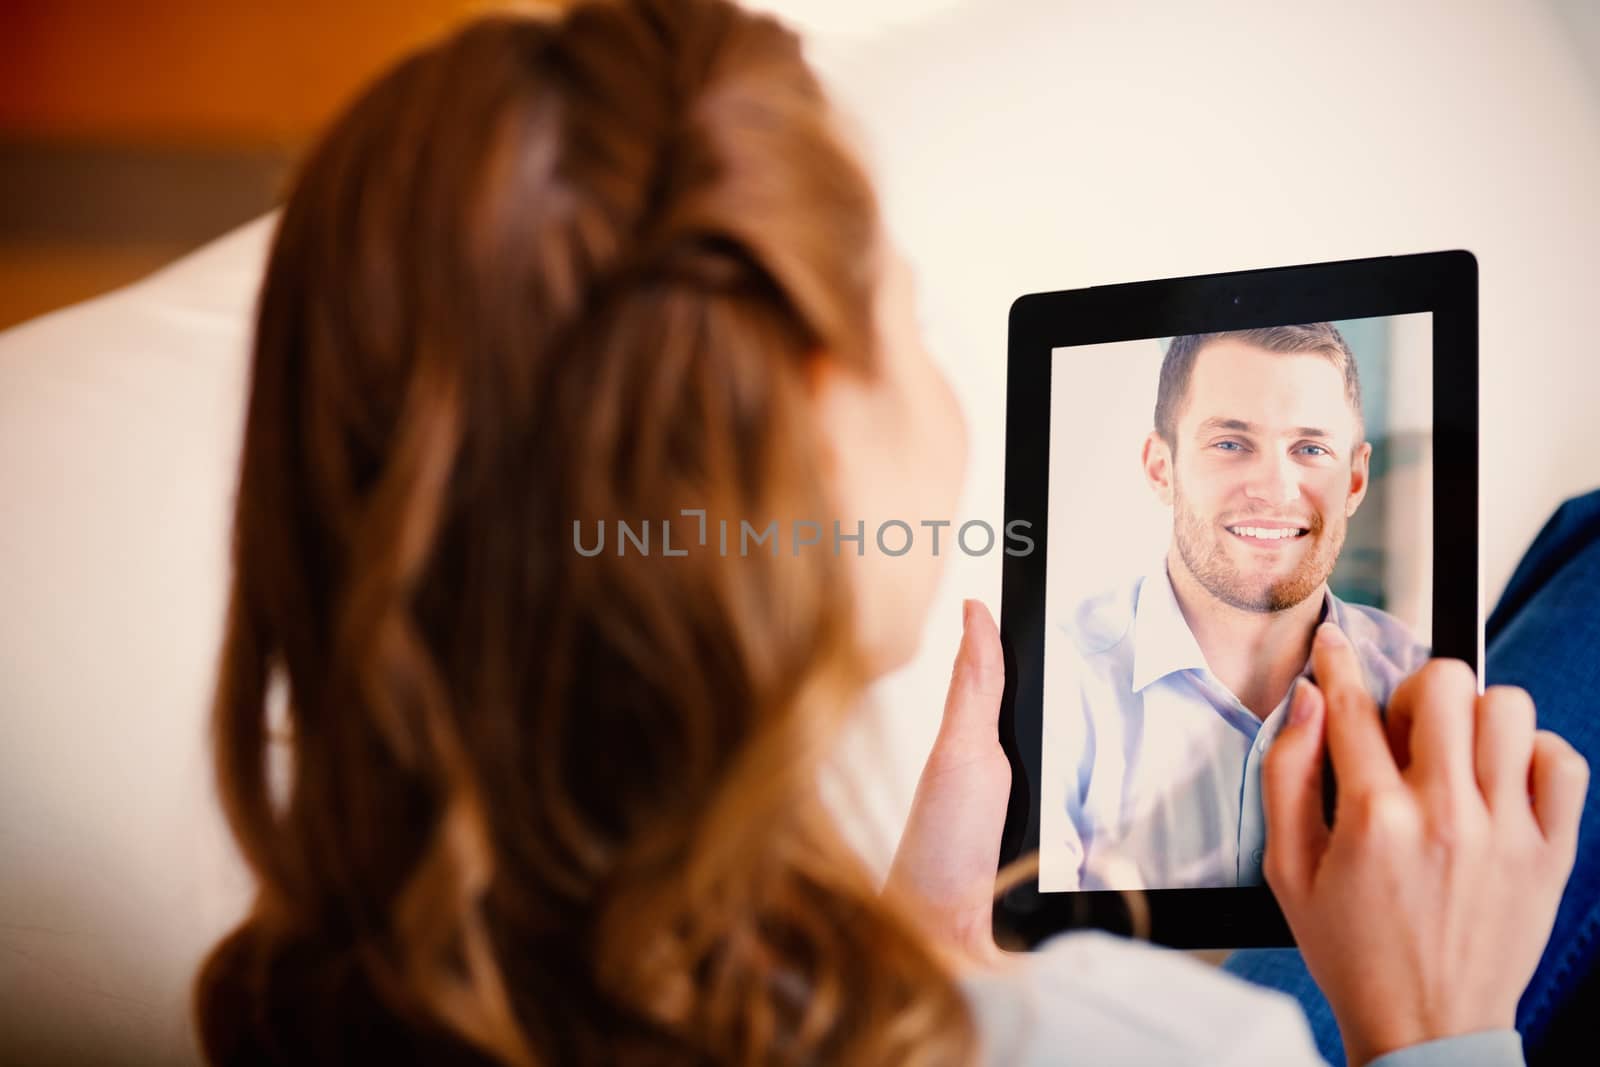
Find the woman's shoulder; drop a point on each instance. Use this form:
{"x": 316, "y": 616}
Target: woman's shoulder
{"x": 1090, "y": 997}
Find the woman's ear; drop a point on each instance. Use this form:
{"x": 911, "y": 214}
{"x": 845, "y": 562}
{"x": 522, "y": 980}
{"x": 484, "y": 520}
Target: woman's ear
{"x": 839, "y": 399}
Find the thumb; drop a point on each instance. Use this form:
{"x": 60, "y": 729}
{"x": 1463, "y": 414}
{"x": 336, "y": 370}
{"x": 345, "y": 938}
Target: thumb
{"x": 1291, "y": 788}
{"x": 972, "y": 706}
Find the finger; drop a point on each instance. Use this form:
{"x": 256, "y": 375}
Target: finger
{"x": 1291, "y": 791}
{"x": 1558, "y": 780}
{"x": 1438, "y": 718}
{"x": 972, "y": 706}
{"x": 1397, "y": 718}
{"x": 1361, "y": 759}
{"x": 1505, "y": 722}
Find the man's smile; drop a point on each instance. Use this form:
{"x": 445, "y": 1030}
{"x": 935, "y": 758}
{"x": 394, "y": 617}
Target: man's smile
{"x": 1274, "y": 534}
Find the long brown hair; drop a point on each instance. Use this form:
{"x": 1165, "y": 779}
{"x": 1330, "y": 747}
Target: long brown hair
{"x": 506, "y": 801}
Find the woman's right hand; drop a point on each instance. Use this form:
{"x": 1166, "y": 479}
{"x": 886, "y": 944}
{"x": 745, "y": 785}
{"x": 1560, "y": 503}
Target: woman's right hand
{"x": 1423, "y": 912}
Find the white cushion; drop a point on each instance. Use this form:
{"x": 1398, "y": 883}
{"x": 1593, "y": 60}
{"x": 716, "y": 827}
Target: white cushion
{"x": 120, "y": 422}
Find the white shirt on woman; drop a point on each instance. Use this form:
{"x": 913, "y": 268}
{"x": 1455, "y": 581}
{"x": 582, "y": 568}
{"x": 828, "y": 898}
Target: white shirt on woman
{"x": 1091, "y": 998}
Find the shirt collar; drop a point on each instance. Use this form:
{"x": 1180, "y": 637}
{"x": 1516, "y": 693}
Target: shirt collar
{"x": 1163, "y": 644}
{"x": 1162, "y": 641}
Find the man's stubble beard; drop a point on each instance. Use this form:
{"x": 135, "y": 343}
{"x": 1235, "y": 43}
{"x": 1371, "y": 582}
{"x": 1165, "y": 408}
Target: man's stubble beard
{"x": 1200, "y": 546}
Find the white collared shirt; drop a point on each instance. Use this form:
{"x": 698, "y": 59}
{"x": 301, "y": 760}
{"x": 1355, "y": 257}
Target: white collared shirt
{"x": 1151, "y": 766}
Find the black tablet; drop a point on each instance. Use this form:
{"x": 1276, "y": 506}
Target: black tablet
{"x": 1207, "y": 468}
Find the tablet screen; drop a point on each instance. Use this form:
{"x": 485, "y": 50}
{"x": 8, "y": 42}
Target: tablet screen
{"x": 1211, "y": 498}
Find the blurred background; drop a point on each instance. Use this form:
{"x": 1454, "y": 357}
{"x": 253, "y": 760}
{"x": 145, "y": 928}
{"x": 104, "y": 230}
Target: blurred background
{"x": 133, "y": 132}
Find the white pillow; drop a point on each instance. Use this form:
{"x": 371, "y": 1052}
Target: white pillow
{"x": 120, "y": 424}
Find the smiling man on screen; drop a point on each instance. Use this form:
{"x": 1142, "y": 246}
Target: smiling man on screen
{"x": 1179, "y": 681}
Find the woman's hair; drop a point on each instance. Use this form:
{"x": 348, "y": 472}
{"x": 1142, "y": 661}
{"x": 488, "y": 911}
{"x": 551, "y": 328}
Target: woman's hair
{"x": 506, "y": 801}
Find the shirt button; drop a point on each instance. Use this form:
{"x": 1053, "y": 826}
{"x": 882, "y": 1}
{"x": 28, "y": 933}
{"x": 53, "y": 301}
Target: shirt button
{"x": 1255, "y": 857}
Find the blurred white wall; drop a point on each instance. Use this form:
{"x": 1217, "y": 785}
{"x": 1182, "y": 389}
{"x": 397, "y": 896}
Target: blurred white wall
{"x": 1106, "y": 526}
{"x": 1034, "y": 146}
{"x": 1408, "y": 536}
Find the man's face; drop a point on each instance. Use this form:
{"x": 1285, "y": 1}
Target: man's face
{"x": 1266, "y": 475}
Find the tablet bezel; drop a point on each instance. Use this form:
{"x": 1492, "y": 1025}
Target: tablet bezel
{"x": 1441, "y": 283}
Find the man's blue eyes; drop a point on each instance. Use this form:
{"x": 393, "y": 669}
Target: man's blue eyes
{"x": 1235, "y": 446}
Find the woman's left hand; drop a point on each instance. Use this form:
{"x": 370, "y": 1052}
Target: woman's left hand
{"x": 951, "y": 845}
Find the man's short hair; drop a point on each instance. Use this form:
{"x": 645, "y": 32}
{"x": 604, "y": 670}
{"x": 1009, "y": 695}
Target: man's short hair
{"x": 1177, "y": 367}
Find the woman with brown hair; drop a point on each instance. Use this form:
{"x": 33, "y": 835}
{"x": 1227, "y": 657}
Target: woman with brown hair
{"x": 509, "y": 799}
